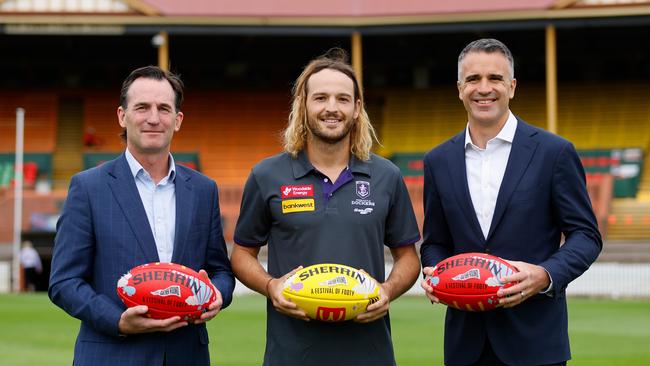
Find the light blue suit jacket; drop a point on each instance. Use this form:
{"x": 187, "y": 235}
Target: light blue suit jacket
{"x": 103, "y": 232}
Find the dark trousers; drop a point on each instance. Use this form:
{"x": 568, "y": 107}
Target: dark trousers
{"x": 489, "y": 358}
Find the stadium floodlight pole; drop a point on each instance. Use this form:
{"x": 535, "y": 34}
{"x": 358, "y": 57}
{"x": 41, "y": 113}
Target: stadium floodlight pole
{"x": 18, "y": 196}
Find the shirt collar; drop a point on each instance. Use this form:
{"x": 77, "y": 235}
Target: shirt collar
{"x": 301, "y": 165}
{"x": 506, "y": 134}
{"x": 136, "y": 167}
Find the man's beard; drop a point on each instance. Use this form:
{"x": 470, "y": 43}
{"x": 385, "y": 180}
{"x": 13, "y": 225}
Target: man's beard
{"x": 321, "y": 133}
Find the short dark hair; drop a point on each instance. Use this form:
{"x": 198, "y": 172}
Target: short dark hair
{"x": 487, "y": 45}
{"x": 155, "y": 73}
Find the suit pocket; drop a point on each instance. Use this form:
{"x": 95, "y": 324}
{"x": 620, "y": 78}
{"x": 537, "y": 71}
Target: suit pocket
{"x": 526, "y": 194}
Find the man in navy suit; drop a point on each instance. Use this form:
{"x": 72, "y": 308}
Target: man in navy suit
{"x": 136, "y": 209}
{"x": 509, "y": 189}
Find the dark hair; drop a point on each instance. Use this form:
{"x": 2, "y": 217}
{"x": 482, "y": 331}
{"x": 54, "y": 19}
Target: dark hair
{"x": 487, "y": 45}
{"x": 155, "y": 73}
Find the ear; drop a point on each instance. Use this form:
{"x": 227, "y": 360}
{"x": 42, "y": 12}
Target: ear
{"x": 121, "y": 113}
{"x": 513, "y": 86}
{"x": 459, "y": 85}
{"x": 178, "y": 121}
{"x": 357, "y": 108}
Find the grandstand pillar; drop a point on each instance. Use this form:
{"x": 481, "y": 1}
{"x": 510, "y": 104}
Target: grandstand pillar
{"x": 163, "y": 50}
{"x": 357, "y": 60}
{"x": 18, "y": 196}
{"x": 551, "y": 79}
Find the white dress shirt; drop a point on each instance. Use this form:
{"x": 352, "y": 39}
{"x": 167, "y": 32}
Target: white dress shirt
{"x": 159, "y": 202}
{"x": 485, "y": 170}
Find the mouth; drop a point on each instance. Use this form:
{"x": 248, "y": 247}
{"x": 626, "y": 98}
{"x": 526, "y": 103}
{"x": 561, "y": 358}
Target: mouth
{"x": 331, "y": 120}
{"x": 485, "y": 102}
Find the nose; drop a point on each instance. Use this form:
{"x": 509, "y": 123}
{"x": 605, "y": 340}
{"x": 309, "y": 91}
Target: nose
{"x": 484, "y": 86}
{"x": 331, "y": 105}
{"x": 154, "y": 116}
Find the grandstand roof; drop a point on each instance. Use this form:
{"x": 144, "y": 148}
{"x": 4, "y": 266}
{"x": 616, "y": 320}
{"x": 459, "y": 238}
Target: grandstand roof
{"x": 333, "y": 13}
{"x": 344, "y": 8}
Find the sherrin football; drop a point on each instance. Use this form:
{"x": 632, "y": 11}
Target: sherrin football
{"x": 331, "y": 292}
{"x": 168, "y": 289}
{"x": 470, "y": 281}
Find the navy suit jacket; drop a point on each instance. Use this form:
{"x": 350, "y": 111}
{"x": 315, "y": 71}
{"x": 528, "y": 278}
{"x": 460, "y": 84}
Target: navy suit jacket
{"x": 542, "y": 196}
{"x": 103, "y": 232}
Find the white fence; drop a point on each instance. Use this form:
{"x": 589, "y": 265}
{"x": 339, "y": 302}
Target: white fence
{"x": 602, "y": 280}
{"x": 613, "y": 280}
{"x": 5, "y": 277}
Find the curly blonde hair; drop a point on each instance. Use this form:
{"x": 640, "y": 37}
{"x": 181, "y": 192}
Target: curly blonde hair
{"x": 295, "y": 135}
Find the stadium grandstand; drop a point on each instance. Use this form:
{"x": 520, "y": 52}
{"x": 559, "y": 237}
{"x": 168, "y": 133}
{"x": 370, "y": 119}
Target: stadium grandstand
{"x": 583, "y": 70}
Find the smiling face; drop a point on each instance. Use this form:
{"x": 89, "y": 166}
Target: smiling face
{"x": 486, "y": 86}
{"x": 150, "y": 117}
{"x": 331, "y": 105}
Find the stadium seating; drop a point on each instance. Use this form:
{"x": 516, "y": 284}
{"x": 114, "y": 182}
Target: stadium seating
{"x": 40, "y": 120}
{"x": 609, "y": 134}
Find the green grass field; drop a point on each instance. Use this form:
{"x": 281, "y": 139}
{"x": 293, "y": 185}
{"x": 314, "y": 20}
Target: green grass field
{"x": 603, "y": 332}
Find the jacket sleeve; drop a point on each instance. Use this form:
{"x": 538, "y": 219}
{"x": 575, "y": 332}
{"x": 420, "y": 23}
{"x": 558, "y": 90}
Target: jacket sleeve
{"x": 217, "y": 262}
{"x": 576, "y": 219}
{"x": 72, "y": 265}
{"x": 437, "y": 243}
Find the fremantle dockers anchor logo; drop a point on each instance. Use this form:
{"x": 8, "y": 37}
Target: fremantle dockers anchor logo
{"x": 363, "y": 188}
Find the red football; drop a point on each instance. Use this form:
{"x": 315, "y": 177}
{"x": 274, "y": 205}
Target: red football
{"x": 168, "y": 290}
{"x": 470, "y": 281}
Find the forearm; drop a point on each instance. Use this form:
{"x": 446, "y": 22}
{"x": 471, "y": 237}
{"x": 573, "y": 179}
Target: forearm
{"x": 406, "y": 268}
{"x": 78, "y": 299}
{"x": 248, "y": 269}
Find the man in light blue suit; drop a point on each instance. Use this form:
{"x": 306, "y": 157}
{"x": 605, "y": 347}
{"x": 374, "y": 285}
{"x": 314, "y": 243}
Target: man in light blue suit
{"x": 509, "y": 189}
{"x": 136, "y": 209}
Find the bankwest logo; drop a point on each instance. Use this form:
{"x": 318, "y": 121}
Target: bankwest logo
{"x": 297, "y": 191}
{"x": 298, "y": 205}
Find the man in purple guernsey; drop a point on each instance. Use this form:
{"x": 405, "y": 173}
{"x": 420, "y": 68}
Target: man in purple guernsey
{"x": 326, "y": 199}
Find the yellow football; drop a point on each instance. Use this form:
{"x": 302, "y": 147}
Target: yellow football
{"x": 331, "y": 292}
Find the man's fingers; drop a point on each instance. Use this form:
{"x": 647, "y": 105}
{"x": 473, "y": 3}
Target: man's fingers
{"x": 377, "y": 304}
{"x": 295, "y": 312}
{"x": 136, "y": 310}
{"x": 173, "y": 326}
{"x": 284, "y": 303}
{"x": 204, "y": 275}
{"x": 428, "y": 271}
{"x": 426, "y": 286}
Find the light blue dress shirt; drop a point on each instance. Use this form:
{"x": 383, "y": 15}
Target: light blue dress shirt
{"x": 159, "y": 202}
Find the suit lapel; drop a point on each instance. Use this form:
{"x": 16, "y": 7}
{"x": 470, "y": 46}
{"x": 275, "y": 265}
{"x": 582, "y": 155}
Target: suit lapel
{"x": 458, "y": 174}
{"x": 184, "y": 212}
{"x": 521, "y": 153}
{"x": 126, "y": 194}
